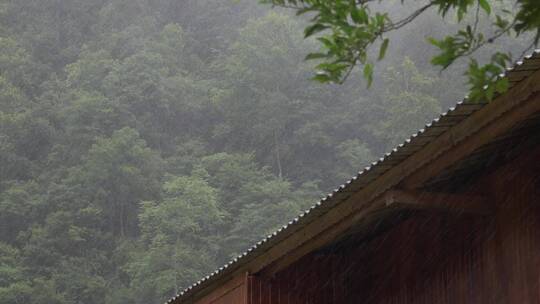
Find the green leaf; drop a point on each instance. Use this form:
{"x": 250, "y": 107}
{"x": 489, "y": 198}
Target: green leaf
{"x": 490, "y": 92}
{"x": 501, "y": 85}
{"x": 313, "y": 29}
{"x": 304, "y": 10}
{"x": 382, "y": 50}
{"x": 359, "y": 15}
{"x": 485, "y": 6}
{"x": 311, "y": 56}
{"x": 326, "y": 42}
{"x": 443, "y": 60}
{"x": 469, "y": 31}
{"x": 323, "y": 78}
{"x": 501, "y": 23}
{"x": 434, "y": 42}
{"x": 368, "y": 73}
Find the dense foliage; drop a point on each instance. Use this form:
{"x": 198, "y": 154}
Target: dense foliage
{"x": 144, "y": 143}
{"x": 349, "y": 28}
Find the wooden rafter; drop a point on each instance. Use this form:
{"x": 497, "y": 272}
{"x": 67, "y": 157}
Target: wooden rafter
{"x": 447, "y": 202}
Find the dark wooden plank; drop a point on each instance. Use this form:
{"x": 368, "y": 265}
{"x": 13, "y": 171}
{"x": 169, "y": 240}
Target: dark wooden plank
{"x": 448, "y": 202}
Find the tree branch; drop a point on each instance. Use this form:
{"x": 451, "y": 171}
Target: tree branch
{"x": 409, "y": 19}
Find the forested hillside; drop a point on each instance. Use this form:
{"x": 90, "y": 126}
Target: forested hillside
{"x": 143, "y": 143}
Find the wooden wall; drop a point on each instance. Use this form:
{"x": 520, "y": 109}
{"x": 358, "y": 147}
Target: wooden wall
{"x": 232, "y": 292}
{"x": 432, "y": 257}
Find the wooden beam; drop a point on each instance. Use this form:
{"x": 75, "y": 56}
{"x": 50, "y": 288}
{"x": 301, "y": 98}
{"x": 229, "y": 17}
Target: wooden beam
{"x": 456, "y": 203}
{"x": 394, "y": 199}
{"x": 363, "y": 218}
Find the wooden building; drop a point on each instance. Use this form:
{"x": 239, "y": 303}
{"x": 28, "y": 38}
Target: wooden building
{"x": 450, "y": 216}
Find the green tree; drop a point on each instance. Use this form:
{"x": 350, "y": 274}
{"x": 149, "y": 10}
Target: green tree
{"x": 20, "y": 204}
{"x": 408, "y": 102}
{"x": 256, "y": 200}
{"x": 179, "y": 235}
{"x": 119, "y": 172}
{"x": 266, "y": 206}
{"x": 273, "y": 110}
{"x": 15, "y": 284}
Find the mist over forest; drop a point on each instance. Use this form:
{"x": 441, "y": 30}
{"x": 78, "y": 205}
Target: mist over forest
{"x": 144, "y": 143}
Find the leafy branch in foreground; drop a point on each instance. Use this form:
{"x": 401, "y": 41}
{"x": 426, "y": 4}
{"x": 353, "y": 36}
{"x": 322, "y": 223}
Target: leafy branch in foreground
{"x": 347, "y": 29}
